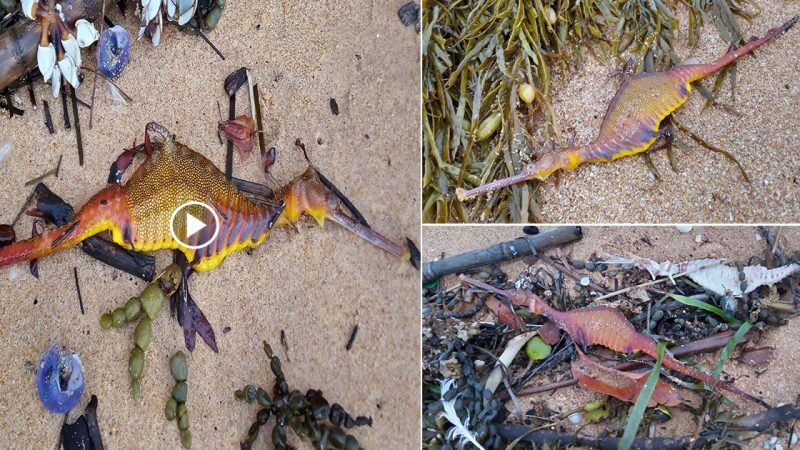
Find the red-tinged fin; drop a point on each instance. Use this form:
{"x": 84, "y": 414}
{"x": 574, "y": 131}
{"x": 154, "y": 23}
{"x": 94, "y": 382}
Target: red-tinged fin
{"x": 622, "y": 385}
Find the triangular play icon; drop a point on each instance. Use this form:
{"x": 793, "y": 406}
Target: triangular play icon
{"x": 193, "y": 225}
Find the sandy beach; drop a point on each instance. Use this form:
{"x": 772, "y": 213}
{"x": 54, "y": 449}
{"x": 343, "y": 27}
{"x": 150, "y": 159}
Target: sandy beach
{"x": 315, "y": 284}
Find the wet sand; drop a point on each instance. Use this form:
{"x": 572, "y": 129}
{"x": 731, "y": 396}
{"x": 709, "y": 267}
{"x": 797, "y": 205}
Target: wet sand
{"x": 708, "y": 188}
{"x": 314, "y": 284}
{"x": 780, "y": 383}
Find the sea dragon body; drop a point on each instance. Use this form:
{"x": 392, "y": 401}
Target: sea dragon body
{"x": 606, "y": 326}
{"x": 138, "y": 215}
{"x": 632, "y": 120}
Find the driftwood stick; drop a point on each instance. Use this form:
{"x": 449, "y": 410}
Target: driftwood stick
{"x": 504, "y": 251}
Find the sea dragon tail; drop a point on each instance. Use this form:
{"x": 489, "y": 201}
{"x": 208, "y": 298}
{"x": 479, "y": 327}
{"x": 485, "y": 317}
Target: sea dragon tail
{"x": 670, "y": 362}
{"x": 93, "y": 218}
{"x": 698, "y": 71}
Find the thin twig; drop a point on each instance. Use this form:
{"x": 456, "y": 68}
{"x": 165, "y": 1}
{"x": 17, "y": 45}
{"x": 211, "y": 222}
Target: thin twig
{"x": 77, "y": 125}
{"x": 94, "y": 81}
{"x": 127, "y": 97}
{"x": 78, "y": 288}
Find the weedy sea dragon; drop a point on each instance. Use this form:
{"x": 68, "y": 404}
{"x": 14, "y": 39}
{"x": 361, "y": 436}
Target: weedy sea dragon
{"x": 631, "y": 123}
{"x": 138, "y": 214}
{"x": 606, "y": 326}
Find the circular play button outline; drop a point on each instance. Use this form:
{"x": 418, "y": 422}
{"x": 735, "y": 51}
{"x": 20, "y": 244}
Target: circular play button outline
{"x": 172, "y": 225}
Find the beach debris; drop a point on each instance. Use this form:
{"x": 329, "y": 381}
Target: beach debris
{"x": 513, "y": 347}
{"x": 309, "y": 416}
{"x": 175, "y": 409}
{"x": 537, "y": 349}
{"x": 113, "y": 52}
{"x": 144, "y": 308}
{"x": 711, "y": 274}
{"x": 7, "y": 235}
{"x": 756, "y": 356}
{"x": 58, "y": 54}
{"x": 504, "y": 314}
{"x": 77, "y": 288}
{"x": 683, "y": 228}
{"x": 460, "y": 430}
{"x": 5, "y": 150}
{"x": 622, "y": 385}
{"x": 59, "y": 380}
{"x": 195, "y": 15}
{"x": 352, "y": 338}
{"x": 84, "y": 433}
{"x": 334, "y": 107}
{"x": 241, "y": 131}
{"x": 409, "y": 14}
{"x": 606, "y": 326}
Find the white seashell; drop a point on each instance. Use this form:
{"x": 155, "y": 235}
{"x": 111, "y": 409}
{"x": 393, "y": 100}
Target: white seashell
{"x": 27, "y": 8}
{"x": 46, "y": 57}
{"x": 186, "y": 10}
{"x": 171, "y": 8}
{"x": 683, "y": 228}
{"x": 150, "y": 9}
{"x": 72, "y": 49}
{"x": 55, "y": 81}
{"x": 69, "y": 71}
{"x": 5, "y": 149}
{"x": 87, "y": 33}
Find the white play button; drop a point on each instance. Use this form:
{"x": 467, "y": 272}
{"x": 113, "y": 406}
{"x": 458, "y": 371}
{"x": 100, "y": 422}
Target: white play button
{"x": 193, "y": 225}
{"x": 190, "y": 225}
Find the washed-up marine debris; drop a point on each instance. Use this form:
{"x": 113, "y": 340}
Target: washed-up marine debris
{"x": 309, "y": 416}
{"x": 113, "y": 52}
{"x": 144, "y": 308}
{"x": 195, "y": 14}
{"x": 711, "y": 274}
{"x": 632, "y": 122}
{"x": 175, "y": 408}
{"x": 606, "y": 326}
{"x": 59, "y": 54}
{"x": 59, "y": 380}
{"x": 460, "y": 430}
{"x": 84, "y": 433}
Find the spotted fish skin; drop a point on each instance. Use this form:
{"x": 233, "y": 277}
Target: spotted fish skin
{"x": 138, "y": 215}
{"x": 632, "y": 120}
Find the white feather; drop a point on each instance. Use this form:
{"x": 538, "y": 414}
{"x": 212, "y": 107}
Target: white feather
{"x": 459, "y": 430}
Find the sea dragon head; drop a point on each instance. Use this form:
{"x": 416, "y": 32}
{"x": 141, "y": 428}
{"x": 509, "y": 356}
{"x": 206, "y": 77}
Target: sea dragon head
{"x": 313, "y": 194}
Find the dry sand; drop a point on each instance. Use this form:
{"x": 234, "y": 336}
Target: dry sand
{"x": 708, "y": 187}
{"x": 780, "y": 383}
{"x": 315, "y": 284}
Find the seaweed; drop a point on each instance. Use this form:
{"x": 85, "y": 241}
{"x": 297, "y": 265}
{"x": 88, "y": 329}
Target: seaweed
{"x": 479, "y": 57}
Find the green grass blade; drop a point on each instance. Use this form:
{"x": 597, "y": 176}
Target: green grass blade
{"x": 688, "y": 301}
{"x": 637, "y": 411}
{"x": 729, "y": 348}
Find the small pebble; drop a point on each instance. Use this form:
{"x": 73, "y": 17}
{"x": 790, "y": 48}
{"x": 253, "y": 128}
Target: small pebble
{"x": 698, "y": 239}
{"x": 575, "y": 418}
{"x": 578, "y": 264}
{"x": 683, "y": 228}
{"x": 585, "y": 281}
